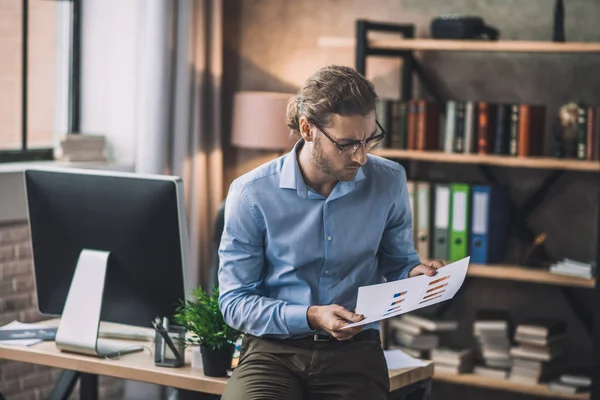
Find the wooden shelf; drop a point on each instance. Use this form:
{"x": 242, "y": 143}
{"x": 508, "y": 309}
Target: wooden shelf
{"x": 519, "y": 46}
{"x": 504, "y": 161}
{"x": 501, "y": 384}
{"x": 516, "y": 273}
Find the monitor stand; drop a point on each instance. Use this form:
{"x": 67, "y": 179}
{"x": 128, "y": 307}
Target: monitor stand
{"x": 78, "y": 328}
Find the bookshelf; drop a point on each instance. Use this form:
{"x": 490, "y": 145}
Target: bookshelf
{"x": 489, "y": 159}
{"x": 511, "y": 46}
{"x": 524, "y": 274}
{"x": 406, "y": 48}
{"x": 540, "y": 391}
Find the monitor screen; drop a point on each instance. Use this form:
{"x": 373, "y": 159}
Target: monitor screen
{"x": 139, "y": 220}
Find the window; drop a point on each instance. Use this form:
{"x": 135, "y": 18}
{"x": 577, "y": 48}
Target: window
{"x": 36, "y": 76}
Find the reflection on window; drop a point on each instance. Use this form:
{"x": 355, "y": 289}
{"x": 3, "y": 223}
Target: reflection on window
{"x": 41, "y": 83}
{"x": 35, "y": 46}
{"x": 10, "y": 74}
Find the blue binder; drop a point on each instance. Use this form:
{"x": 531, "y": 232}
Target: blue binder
{"x": 489, "y": 223}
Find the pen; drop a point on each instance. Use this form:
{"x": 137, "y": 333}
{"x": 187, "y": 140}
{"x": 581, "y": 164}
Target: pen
{"x": 158, "y": 326}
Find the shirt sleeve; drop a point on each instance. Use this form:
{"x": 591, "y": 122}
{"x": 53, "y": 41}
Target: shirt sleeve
{"x": 241, "y": 272}
{"x": 397, "y": 253}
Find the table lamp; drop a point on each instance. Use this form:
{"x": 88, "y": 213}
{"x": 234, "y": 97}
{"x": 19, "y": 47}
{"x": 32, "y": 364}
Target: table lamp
{"x": 259, "y": 121}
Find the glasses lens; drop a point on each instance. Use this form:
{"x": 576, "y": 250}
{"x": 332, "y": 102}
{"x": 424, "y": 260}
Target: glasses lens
{"x": 375, "y": 142}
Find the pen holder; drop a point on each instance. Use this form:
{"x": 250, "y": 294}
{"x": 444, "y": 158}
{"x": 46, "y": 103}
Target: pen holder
{"x": 163, "y": 355}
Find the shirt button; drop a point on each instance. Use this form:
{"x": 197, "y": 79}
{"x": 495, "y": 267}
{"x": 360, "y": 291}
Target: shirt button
{"x": 329, "y": 238}
{"x": 326, "y": 272}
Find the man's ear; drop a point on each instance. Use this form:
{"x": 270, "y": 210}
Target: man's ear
{"x": 306, "y": 130}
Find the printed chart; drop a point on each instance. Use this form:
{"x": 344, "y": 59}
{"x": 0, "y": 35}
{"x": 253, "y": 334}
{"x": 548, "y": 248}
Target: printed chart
{"x": 385, "y": 300}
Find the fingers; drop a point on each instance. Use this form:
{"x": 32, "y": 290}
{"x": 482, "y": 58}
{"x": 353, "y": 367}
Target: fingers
{"x": 346, "y": 334}
{"x": 422, "y": 269}
{"x": 349, "y": 315}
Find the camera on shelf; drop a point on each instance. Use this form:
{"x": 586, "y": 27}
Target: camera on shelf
{"x": 453, "y": 26}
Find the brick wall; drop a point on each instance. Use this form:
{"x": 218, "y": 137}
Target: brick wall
{"x": 23, "y": 381}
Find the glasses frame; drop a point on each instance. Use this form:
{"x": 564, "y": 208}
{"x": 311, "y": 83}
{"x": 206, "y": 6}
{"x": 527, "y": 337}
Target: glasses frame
{"x": 357, "y": 143}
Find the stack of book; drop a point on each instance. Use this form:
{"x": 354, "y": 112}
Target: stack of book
{"x": 80, "y": 147}
{"x": 540, "y": 343}
{"x": 453, "y": 360}
{"x": 572, "y": 381}
{"x": 417, "y": 334}
{"x": 573, "y": 268}
{"x": 493, "y": 331}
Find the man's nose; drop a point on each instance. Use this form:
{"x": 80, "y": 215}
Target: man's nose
{"x": 360, "y": 156}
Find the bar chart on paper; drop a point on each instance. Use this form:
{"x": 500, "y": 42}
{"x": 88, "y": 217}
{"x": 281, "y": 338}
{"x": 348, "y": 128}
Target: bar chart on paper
{"x": 385, "y": 300}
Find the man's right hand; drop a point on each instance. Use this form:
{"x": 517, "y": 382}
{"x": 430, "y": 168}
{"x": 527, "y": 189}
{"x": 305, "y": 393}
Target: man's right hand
{"x": 332, "y": 319}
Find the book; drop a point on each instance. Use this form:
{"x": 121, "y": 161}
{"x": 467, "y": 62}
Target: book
{"x": 430, "y": 323}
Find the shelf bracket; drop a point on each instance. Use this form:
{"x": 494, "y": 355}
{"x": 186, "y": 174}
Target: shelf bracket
{"x": 410, "y": 63}
{"x": 425, "y": 80}
{"x": 363, "y": 27}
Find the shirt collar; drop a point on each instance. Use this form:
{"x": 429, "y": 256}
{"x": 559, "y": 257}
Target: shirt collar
{"x": 291, "y": 178}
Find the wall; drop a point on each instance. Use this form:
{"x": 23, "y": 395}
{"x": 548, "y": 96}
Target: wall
{"x": 272, "y": 45}
{"x": 24, "y": 381}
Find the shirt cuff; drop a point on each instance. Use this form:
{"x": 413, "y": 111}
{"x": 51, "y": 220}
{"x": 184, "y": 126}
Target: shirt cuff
{"x": 296, "y": 319}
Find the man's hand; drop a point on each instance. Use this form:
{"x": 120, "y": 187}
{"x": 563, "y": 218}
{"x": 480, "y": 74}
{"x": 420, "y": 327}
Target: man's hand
{"x": 332, "y": 319}
{"x": 428, "y": 268}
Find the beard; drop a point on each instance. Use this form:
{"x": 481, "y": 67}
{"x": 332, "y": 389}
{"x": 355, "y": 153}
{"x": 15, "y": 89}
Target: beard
{"x": 325, "y": 165}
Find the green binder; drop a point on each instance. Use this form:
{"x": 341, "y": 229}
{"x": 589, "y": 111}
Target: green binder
{"x": 459, "y": 221}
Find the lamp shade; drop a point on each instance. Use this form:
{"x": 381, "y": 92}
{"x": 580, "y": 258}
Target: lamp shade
{"x": 259, "y": 121}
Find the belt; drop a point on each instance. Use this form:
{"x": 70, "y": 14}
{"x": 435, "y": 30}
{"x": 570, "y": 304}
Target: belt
{"x": 368, "y": 334}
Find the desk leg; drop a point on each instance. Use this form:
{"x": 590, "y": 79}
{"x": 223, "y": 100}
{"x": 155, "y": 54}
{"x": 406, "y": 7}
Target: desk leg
{"x": 64, "y": 385}
{"x": 88, "y": 386}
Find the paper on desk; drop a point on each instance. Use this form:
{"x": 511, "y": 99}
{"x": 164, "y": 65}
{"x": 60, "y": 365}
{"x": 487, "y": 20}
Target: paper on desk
{"x": 21, "y": 342}
{"x": 385, "y": 300}
{"x": 397, "y": 359}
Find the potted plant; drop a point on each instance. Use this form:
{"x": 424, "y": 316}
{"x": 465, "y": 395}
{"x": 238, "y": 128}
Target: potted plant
{"x": 202, "y": 317}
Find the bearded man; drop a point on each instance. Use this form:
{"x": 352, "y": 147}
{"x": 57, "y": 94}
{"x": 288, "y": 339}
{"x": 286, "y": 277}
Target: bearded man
{"x": 302, "y": 233}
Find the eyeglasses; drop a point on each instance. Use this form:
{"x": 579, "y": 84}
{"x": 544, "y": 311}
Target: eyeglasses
{"x": 352, "y": 147}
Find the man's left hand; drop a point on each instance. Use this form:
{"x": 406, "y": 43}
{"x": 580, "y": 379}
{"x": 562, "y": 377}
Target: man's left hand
{"x": 428, "y": 268}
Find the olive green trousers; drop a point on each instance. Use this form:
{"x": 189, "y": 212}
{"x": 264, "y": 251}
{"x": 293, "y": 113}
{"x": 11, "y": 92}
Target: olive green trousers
{"x": 305, "y": 369}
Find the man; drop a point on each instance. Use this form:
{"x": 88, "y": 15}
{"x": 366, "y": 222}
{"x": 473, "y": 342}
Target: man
{"x": 302, "y": 233}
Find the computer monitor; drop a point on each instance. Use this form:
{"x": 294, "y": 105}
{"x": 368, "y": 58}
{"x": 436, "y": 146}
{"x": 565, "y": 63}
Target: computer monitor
{"x": 110, "y": 246}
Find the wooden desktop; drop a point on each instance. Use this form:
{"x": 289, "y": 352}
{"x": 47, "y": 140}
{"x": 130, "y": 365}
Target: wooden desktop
{"x": 140, "y": 366}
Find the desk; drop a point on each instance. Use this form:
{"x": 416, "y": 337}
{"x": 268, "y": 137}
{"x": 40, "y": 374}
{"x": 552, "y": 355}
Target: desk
{"x": 140, "y": 367}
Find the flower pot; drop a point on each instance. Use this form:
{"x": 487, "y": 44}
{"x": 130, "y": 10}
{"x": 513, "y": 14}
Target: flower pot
{"x": 216, "y": 362}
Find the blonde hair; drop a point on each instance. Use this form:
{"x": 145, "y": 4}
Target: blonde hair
{"x": 331, "y": 90}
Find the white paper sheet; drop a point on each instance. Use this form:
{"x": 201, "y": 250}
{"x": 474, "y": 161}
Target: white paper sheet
{"x": 21, "y": 342}
{"x": 397, "y": 359}
{"x": 385, "y": 300}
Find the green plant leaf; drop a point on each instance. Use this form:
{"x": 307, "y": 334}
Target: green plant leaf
{"x": 203, "y": 319}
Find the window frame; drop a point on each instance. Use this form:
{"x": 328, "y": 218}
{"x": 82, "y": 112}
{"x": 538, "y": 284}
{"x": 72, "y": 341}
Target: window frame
{"x": 67, "y": 113}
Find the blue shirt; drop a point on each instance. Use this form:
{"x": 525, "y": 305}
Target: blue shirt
{"x": 285, "y": 247}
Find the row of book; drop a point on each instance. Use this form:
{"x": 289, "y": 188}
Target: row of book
{"x": 479, "y": 127}
{"x": 453, "y": 220}
{"x": 531, "y": 354}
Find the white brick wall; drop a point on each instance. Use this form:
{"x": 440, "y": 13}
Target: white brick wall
{"x": 23, "y": 381}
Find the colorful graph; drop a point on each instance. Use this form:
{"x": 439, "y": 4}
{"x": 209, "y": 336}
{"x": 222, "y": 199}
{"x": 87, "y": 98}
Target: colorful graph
{"x": 396, "y": 303}
{"x": 435, "y": 289}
